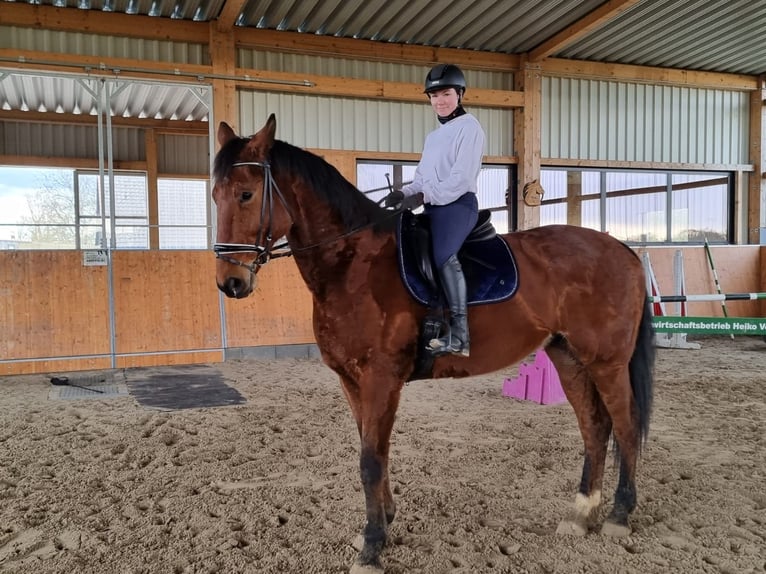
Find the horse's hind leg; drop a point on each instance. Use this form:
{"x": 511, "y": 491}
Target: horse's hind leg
{"x": 617, "y": 395}
{"x": 595, "y": 426}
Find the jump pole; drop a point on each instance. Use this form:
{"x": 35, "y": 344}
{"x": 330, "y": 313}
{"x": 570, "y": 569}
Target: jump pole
{"x": 710, "y": 325}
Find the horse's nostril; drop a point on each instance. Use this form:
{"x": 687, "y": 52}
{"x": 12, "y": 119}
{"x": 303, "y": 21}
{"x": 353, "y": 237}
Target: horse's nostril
{"x": 233, "y": 287}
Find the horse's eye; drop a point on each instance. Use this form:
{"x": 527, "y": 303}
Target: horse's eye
{"x": 246, "y": 196}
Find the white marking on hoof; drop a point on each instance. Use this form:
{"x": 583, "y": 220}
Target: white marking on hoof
{"x": 571, "y": 527}
{"x": 615, "y": 530}
{"x": 585, "y": 504}
{"x": 359, "y": 569}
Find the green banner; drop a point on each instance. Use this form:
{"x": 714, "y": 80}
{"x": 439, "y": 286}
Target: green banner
{"x": 711, "y": 325}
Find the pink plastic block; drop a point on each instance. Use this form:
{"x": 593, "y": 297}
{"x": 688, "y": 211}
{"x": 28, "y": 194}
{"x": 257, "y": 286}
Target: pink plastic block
{"x": 535, "y": 385}
{"x": 551, "y": 392}
{"x": 515, "y": 387}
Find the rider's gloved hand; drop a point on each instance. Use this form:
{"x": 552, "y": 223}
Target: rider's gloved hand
{"x": 393, "y": 199}
{"x": 412, "y": 201}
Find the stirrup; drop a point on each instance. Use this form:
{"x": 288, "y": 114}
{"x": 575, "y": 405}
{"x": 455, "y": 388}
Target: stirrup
{"x": 448, "y": 345}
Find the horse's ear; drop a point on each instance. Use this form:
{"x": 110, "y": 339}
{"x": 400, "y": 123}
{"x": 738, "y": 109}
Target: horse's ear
{"x": 225, "y": 134}
{"x": 260, "y": 144}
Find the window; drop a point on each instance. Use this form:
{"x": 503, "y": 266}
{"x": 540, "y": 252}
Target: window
{"x": 64, "y": 208}
{"x": 131, "y": 210}
{"x": 640, "y": 206}
{"x": 182, "y": 210}
{"x": 374, "y": 177}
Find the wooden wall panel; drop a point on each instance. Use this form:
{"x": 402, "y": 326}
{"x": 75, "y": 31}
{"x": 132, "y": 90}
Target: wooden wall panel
{"x": 739, "y": 271}
{"x": 165, "y": 301}
{"x": 278, "y": 312}
{"x": 51, "y": 305}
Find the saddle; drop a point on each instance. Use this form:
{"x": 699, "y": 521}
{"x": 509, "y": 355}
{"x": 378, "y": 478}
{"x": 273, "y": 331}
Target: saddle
{"x": 488, "y": 265}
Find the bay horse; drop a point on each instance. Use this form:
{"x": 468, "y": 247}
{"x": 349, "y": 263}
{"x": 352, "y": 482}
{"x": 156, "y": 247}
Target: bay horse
{"x": 581, "y": 296}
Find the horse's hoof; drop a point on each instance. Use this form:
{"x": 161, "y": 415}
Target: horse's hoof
{"x": 358, "y": 542}
{"x": 365, "y": 569}
{"x": 570, "y": 527}
{"x": 615, "y": 530}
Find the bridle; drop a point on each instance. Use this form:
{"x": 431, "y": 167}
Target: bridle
{"x": 263, "y": 248}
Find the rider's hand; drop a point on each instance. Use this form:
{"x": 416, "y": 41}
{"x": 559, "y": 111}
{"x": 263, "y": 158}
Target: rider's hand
{"x": 412, "y": 201}
{"x": 393, "y": 199}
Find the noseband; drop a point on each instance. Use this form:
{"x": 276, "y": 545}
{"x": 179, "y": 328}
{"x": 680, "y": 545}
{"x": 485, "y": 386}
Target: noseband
{"x": 263, "y": 247}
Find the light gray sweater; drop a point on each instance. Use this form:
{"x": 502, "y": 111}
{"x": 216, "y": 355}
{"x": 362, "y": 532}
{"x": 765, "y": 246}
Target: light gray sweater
{"x": 450, "y": 163}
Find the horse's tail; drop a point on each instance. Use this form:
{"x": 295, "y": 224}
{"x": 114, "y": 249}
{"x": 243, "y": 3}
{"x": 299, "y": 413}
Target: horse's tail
{"x": 641, "y": 370}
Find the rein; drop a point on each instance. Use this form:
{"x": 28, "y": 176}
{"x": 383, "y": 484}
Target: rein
{"x": 267, "y": 252}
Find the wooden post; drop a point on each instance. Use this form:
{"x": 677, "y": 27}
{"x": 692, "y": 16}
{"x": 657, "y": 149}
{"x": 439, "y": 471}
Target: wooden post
{"x": 757, "y": 186}
{"x": 527, "y": 127}
{"x": 150, "y": 139}
{"x": 574, "y": 198}
{"x": 223, "y": 57}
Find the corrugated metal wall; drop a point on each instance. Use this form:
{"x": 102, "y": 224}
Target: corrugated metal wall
{"x": 619, "y": 121}
{"x": 75, "y": 141}
{"x": 361, "y": 125}
{"x": 104, "y": 46}
{"x": 183, "y": 155}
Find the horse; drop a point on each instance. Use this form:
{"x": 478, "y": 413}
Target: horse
{"x": 581, "y": 296}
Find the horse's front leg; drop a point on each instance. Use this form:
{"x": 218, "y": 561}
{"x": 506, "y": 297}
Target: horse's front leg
{"x": 374, "y": 407}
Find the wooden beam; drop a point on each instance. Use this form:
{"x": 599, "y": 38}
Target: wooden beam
{"x": 103, "y": 23}
{"x": 316, "y": 45}
{"x": 229, "y": 14}
{"x": 103, "y": 66}
{"x": 379, "y": 89}
{"x": 223, "y": 56}
{"x": 580, "y": 28}
{"x": 607, "y": 163}
{"x": 647, "y": 75}
{"x": 162, "y": 126}
{"x": 65, "y": 162}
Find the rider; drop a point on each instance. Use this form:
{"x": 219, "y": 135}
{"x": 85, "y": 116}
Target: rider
{"x": 445, "y": 182}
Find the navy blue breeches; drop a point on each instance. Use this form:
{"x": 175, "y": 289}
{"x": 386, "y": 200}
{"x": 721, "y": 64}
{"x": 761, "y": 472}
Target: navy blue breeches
{"x": 451, "y": 224}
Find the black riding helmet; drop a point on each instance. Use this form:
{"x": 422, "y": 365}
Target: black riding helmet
{"x": 445, "y": 76}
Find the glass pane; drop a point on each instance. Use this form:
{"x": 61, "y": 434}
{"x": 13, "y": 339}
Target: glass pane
{"x": 132, "y": 236}
{"x": 554, "y": 182}
{"x": 636, "y": 206}
{"x": 555, "y": 213}
{"x": 182, "y": 213}
{"x": 591, "y": 213}
{"x": 500, "y": 220}
{"x": 493, "y": 187}
{"x": 89, "y": 196}
{"x": 130, "y": 198}
{"x": 36, "y": 208}
{"x": 373, "y": 178}
{"x": 41, "y": 237}
{"x": 700, "y": 207}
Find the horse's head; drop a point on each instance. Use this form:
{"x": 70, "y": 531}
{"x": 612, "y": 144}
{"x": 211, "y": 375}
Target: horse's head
{"x": 252, "y": 214}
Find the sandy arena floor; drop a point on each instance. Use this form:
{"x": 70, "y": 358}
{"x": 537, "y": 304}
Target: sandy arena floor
{"x": 105, "y": 485}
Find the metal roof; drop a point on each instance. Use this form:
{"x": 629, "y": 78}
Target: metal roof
{"x": 709, "y": 35}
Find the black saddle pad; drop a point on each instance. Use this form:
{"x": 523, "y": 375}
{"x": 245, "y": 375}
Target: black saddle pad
{"x": 489, "y": 267}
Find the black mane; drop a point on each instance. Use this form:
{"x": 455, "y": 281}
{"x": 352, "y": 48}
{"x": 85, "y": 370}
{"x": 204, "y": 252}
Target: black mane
{"x": 354, "y": 208}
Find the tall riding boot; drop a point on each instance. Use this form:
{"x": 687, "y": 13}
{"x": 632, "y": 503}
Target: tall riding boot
{"x": 456, "y": 340}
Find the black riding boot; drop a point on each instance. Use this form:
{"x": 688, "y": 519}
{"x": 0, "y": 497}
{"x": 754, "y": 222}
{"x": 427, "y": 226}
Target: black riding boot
{"x": 456, "y": 340}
